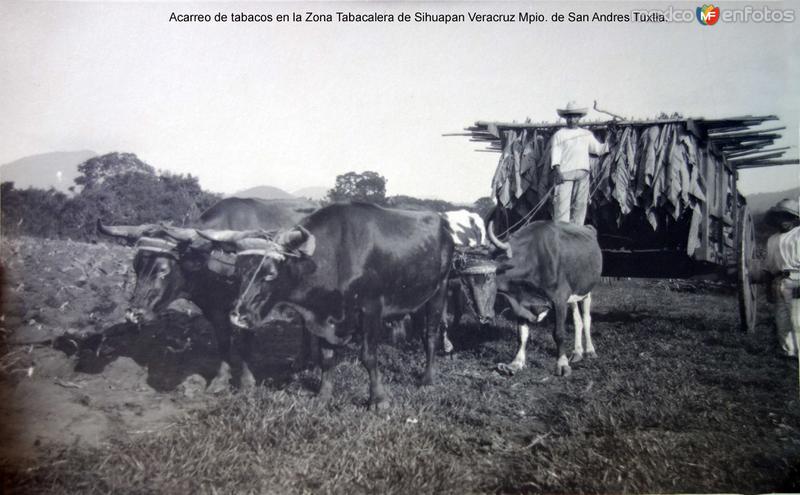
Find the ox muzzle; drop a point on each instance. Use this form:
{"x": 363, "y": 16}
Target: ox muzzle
{"x": 479, "y": 286}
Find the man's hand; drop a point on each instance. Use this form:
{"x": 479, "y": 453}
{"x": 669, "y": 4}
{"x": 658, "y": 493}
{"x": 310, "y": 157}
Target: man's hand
{"x": 558, "y": 179}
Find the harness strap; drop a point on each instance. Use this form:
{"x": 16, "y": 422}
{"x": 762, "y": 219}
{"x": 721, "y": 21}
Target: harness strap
{"x": 158, "y": 250}
{"x": 478, "y": 270}
{"x": 252, "y": 279}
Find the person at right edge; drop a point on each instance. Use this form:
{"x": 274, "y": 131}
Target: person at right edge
{"x": 783, "y": 265}
{"x": 570, "y": 147}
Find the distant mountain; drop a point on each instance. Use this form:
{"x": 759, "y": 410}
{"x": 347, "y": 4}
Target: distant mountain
{"x": 46, "y": 170}
{"x": 263, "y": 192}
{"x": 761, "y": 202}
{"x": 315, "y": 193}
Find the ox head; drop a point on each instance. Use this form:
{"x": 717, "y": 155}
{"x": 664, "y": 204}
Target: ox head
{"x": 163, "y": 256}
{"x": 479, "y": 287}
{"x": 266, "y": 266}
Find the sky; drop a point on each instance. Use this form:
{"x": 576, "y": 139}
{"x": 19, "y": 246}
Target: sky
{"x": 295, "y": 104}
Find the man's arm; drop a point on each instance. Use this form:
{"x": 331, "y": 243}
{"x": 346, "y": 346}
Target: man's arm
{"x": 558, "y": 178}
{"x": 596, "y": 147}
{"x": 555, "y": 159}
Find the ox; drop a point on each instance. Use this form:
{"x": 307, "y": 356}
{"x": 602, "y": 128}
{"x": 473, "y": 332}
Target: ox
{"x": 468, "y": 232}
{"x": 549, "y": 265}
{"x": 172, "y": 263}
{"x": 468, "y": 229}
{"x": 345, "y": 268}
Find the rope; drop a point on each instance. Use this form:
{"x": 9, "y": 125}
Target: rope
{"x": 252, "y": 280}
{"x": 150, "y": 289}
{"x": 258, "y": 269}
{"x": 528, "y": 216}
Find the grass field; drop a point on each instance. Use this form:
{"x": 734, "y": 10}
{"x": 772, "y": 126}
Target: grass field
{"x": 678, "y": 401}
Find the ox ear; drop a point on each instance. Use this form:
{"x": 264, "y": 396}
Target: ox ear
{"x": 298, "y": 239}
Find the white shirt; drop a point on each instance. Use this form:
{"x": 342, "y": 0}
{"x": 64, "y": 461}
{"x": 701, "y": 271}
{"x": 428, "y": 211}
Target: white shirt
{"x": 783, "y": 251}
{"x": 570, "y": 148}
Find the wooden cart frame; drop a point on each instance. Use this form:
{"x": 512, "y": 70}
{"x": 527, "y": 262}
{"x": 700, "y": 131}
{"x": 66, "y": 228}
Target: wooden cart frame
{"x": 726, "y": 235}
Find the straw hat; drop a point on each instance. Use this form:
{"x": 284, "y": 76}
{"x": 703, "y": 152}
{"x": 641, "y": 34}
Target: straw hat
{"x": 785, "y": 209}
{"x": 572, "y": 108}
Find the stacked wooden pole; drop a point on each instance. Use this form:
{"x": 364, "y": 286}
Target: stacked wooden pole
{"x": 735, "y": 137}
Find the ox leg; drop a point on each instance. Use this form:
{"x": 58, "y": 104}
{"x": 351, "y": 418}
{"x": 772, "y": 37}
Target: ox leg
{"x": 452, "y": 304}
{"x": 326, "y": 365}
{"x": 587, "y": 326}
{"x": 559, "y": 335}
{"x": 577, "y": 353}
{"x": 222, "y": 332}
{"x": 369, "y": 358}
{"x": 455, "y": 305}
{"x": 246, "y": 379}
{"x": 520, "y": 359}
{"x": 434, "y": 313}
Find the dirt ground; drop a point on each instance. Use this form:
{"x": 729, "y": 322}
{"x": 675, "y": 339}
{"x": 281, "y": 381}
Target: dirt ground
{"x": 100, "y": 378}
{"x": 679, "y": 399}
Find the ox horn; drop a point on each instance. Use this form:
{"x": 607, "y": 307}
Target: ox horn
{"x": 129, "y": 232}
{"x": 231, "y": 235}
{"x": 300, "y": 238}
{"x": 180, "y": 234}
{"x": 222, "y": 235}
{"x": 497, "y": 242}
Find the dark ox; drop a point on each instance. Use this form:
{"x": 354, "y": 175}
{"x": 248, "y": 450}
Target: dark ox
{"x": 549, "y": 265}
{"x": 348, "y": 267}
{"x": 173, "y": 263}
{"x": 470, "y": 286}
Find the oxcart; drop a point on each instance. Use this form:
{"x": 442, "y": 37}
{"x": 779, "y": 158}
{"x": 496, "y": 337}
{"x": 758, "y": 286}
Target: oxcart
{"x": 664, "y": 200}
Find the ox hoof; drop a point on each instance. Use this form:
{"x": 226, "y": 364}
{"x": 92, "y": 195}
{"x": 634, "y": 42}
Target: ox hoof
{"x": 563, "y": 370}
{"x": 247, "y": 383}
{"x": 378, "y": 405}
{"x": 447, "y": 346}
{"x": 508, "y": 369}
{"x": 218, "y": 386}
{"x": 576, "y": 357}
{"x": 591, "y": 355}
{"x": 325, "y": 394}
{"x": 221, "y": 383}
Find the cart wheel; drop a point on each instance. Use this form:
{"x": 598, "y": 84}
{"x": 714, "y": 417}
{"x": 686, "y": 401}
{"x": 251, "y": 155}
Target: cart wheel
{"x": 747, "y": 289}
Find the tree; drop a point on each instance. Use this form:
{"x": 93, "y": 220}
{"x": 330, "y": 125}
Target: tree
{"x": 97, "y": 170}
{"x": 411, "y": 203}
{"x": 483, "y": 206}
{"x": 367, "y": 186}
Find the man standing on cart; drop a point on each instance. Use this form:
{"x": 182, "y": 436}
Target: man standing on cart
{"x": 569, "y": 157}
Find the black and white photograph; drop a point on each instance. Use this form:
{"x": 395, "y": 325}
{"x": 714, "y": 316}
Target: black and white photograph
{"x": 399, "y": 247}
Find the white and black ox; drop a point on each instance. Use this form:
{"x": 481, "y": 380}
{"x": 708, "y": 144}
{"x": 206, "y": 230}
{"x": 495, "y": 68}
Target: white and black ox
{"x": 470, "y": 288}
{"x": 172, "y": 263}
{"x": 348, "y": 267}
{"x": 549, "y": 265}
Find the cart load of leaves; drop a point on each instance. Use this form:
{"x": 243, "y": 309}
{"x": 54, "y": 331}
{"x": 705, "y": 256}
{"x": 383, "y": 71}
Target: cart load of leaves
{"x": 661, "y": 177}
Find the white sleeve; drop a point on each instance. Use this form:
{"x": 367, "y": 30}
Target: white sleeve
{"x": 595, "y": 146}
{"x": 555, "y": 150}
